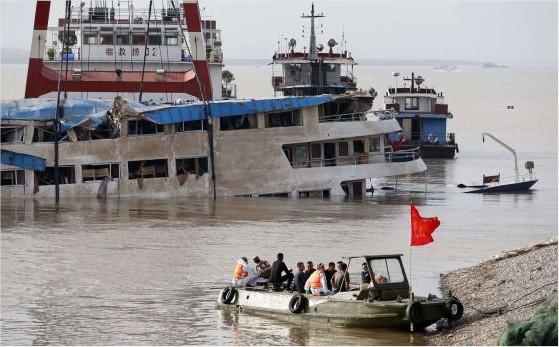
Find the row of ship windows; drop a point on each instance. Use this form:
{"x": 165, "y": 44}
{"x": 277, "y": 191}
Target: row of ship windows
{"x": 143, "y": 127}
{"x": 155, "y": 39}
{"x": 136, "y": 169}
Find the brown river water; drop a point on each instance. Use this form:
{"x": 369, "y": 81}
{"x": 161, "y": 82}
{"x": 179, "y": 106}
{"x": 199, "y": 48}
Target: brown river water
{"x": 143, "y": 272}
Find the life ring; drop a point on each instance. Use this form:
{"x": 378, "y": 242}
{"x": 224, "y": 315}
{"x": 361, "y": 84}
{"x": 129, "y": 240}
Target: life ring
{"x": 454, "y": 309}
{"x": 432, "y": 138}
{"x": 297, "y": 303}
{"x": 414, "y": 313}
{"x": 228, "y": 295}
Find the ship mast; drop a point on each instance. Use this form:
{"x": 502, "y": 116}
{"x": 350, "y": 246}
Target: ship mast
{"x": 313, "y": 55}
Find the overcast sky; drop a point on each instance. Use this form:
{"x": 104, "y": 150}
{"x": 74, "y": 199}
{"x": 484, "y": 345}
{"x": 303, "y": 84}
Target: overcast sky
{"x": 498, "y": 31}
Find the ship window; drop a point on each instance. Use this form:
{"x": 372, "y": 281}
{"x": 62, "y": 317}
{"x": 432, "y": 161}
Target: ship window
{"x": 106, "y": 39}
{"x": 90, "y": 38}
{"x": 301, "y": 153}
{"x": 139, "y": 39}
{"x": 195, "y": 166}
{"x": 122, "y": 39}
{"x": 66, "y": 175}
{"x": 12, "y": 134}
{"x": 13, "y": 178}
{"x": 147, "y": 168}
{"x": 283, "y": 119}
{"x": 195, "y": 125}
{"x": 100, "y": 171}
{"x": 412, "y": 103}
{"x": 316, "y": 151}
{"x": 171, "y": 40}
{"x": 387, "y": 270}
{"x": 238, "y": 122}
{"x": 154, "y": 40}
{"x": 343, "y": 149}
{"x": 374, "y": 144}
{"x": 144, "y": 127}
{"x": 44, "y": 134}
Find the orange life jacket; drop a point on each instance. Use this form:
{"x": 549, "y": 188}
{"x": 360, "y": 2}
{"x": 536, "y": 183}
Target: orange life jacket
{"x": 315, "y": 280}
{"x": 239, "y": 272}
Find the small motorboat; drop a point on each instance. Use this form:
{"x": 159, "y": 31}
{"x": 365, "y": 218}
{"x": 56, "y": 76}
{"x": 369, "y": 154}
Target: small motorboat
{"x": 386, "y": 303}
{"x": 496, "y": 184}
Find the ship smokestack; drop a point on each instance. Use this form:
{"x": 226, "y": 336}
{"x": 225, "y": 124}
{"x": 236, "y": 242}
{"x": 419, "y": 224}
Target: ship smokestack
{"x": 42, "y": 11}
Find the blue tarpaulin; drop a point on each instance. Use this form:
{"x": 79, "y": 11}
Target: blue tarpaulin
{"x": 77, "y": 112}
{"x": 24, "y": 161}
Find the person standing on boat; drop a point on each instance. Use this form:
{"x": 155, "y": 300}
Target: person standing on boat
{"x": 278, "y": 268}
{"x": 300, "y": 278}
{"x": 316, "y": 284}
{"x": 240, "y": 273}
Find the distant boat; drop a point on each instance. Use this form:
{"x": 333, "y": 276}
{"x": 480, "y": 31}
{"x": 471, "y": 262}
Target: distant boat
{"x": 493, "y": 66}
{"x": 446, "y": 67}
{"x": 495, "y": 184}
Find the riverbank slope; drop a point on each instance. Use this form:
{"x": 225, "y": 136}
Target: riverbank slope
{"x": 509, "y": 287}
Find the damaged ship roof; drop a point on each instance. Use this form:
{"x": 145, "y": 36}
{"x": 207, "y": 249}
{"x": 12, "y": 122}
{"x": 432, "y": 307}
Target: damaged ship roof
{"x": 78, "y": 112}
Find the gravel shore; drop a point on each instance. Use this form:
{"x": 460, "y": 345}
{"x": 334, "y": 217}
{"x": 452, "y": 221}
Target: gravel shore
{"x": 507, "y": 288}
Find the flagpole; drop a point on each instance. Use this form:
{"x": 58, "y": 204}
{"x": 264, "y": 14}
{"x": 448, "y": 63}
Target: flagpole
{"x": 409, "y": 260}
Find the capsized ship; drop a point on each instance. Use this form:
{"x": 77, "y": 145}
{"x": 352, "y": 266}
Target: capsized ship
{"x": 296, "y": 146}
{"x": 388, "y": 303}
{"x": 422, "y": 114}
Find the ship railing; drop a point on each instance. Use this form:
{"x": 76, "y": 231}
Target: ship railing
{"x": 344, "y": 117}
{"x": 384, "y": 114}
{"x": 361, "y": 158}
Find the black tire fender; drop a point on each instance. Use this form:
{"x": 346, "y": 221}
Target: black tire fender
{"x": 228, "y": 295}
{"x": 414, "y": 313}
{"x": 297, "y": 303}
{"x": 454, "y": 309}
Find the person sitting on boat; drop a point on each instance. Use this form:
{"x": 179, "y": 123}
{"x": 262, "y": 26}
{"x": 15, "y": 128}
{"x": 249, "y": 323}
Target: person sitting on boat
{"x": 263, "y": 270}
{"x": 365, "y": 277}
{"x": 316, "y": 284}
{"x": 300, "y": 278}
{"x": 310, "y": 269}
{"x": 329, "y": 272}
{"x": 340, "y": 281}
{"x": 278, "y": 268}
{"x": 240, "y": 273}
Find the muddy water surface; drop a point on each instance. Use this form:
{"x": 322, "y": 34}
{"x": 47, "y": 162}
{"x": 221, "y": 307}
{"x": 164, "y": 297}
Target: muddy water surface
{"x": 141, "y": 272}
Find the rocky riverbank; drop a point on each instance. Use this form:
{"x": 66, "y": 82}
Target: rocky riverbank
{"x": 510, "y": 287}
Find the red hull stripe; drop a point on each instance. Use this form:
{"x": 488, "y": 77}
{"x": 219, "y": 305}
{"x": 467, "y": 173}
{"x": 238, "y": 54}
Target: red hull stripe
{"x": 45, "y": 80}
{"x": 42, "y": 15}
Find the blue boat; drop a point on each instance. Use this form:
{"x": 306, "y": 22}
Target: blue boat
{"x": 422, "y": 115}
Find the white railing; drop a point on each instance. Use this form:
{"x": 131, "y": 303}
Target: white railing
{"x": 344, "y": 117}
{"x": 360, "y": 159}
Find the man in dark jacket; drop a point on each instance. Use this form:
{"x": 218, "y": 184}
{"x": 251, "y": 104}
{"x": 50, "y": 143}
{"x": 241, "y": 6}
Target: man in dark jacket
{"x": 300, "y": 278}
{"x": 278, "y": 268}
{"x": 329, "y": 273}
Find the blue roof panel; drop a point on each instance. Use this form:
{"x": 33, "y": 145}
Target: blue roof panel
{"x": 24, "y": 161}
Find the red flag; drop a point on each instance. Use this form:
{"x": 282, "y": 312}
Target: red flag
{"x": 422, "y": 228}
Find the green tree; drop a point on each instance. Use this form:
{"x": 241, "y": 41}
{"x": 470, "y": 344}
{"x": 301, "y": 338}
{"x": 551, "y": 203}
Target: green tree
{"x": 227, "y": 77}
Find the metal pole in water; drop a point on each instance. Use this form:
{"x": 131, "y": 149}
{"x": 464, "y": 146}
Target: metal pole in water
{"x": 65, "y": 42}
